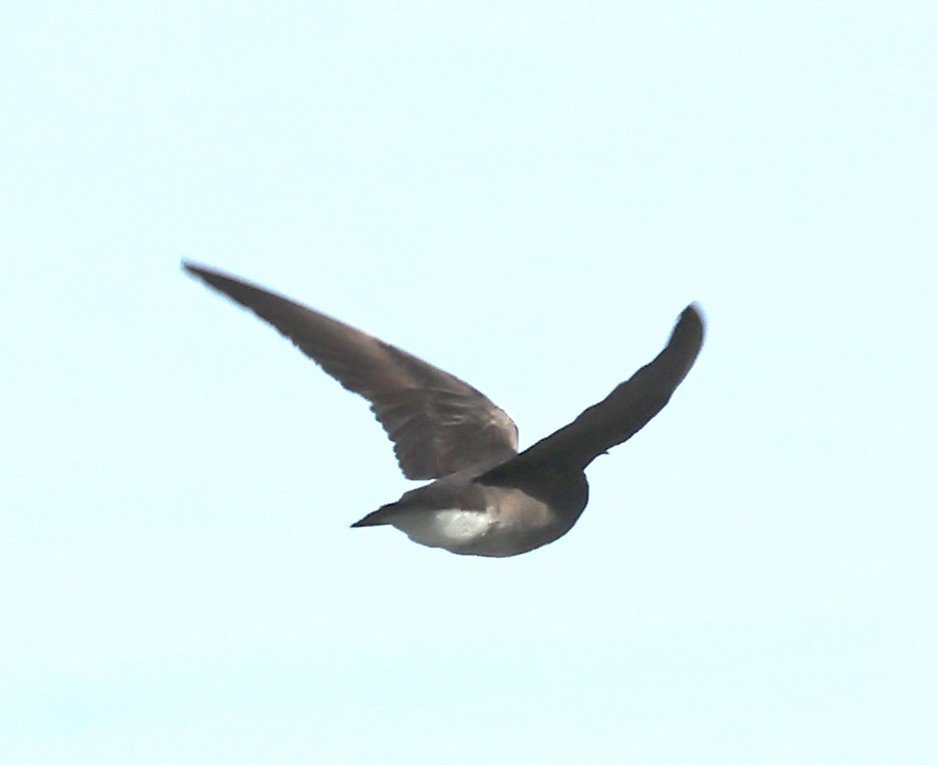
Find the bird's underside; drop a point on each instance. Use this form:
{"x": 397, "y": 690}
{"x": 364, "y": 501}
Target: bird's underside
{"x": 485, "y": 499}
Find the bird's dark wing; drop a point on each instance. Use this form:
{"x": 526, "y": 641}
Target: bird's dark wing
{"x": 622, "y": 414}
{"x": 438, "y": 423}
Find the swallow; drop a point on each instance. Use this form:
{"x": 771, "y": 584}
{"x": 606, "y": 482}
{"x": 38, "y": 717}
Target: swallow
{"x": 484, "y": 498}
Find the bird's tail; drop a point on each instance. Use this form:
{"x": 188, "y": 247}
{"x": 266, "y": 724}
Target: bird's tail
{"x": 380, "y": 517}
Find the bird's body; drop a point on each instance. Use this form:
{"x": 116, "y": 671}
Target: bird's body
{"x": 486, "y": 498}
{"x": 463, "y": 515}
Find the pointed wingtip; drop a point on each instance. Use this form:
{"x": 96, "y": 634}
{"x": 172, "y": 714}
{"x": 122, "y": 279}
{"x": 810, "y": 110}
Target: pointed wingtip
{"x": 692, "y": 322}
{"x": 694, "y": 309}
{"x": 231, "y": 286}
{"x": 195, "y": 269}
{"x": 686, "y": 341}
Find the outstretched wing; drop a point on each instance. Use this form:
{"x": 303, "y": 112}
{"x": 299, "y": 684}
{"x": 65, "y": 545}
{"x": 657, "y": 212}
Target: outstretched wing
{"x": 622, "y": 414}
{"x": 438, "y": 423}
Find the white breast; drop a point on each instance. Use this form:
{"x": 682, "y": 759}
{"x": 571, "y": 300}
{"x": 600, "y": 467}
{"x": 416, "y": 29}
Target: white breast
{"x": 512, "y": 523}
{"x": 449, "y": 528}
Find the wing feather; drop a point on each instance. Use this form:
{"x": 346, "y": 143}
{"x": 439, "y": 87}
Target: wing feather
{"x": 438, "y": 423}
{"x": 621, "y": 414}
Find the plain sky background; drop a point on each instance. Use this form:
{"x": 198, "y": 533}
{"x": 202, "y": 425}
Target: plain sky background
{"x": 525, "y": 194}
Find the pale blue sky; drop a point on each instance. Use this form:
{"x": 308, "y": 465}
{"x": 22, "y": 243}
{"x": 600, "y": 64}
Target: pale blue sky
{"x": 525, "y": 194}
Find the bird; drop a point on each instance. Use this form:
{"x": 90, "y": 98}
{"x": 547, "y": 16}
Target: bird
{"x": 484, "y": 498}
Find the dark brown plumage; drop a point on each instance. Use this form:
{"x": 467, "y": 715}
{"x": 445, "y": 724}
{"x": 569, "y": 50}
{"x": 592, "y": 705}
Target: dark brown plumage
{"x": 486, "y": 499}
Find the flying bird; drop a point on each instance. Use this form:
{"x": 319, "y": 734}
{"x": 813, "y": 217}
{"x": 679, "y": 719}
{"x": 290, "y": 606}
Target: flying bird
{"x": 485, "y": 498}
